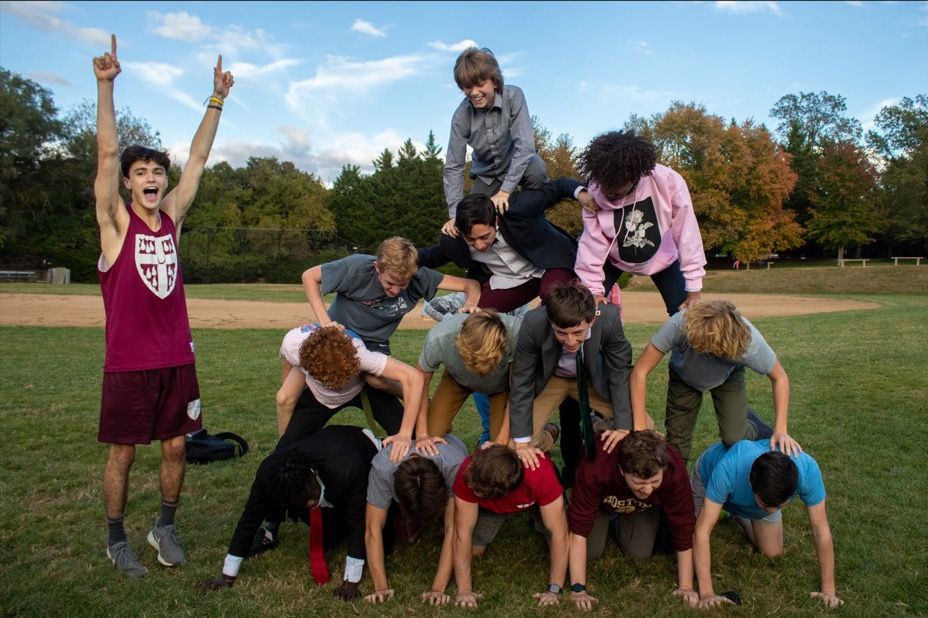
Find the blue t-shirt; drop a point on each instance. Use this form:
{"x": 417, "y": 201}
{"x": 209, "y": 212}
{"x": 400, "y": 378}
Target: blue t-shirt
{"x": 726, "y": 475}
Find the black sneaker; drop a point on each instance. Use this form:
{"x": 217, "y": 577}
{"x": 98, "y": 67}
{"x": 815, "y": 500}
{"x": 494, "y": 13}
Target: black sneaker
{"x": 264, "y": 540}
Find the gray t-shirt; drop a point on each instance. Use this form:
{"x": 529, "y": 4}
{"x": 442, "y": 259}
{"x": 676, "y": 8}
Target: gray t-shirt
{"x": 380, "y": 482}
{"x": 361, "y": 303}
{"x": 439, "y": 349}
{"x": 705, "y": 371}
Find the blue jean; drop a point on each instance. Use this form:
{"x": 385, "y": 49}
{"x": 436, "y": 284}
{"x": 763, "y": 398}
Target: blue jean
{"x": 482, "y": 403}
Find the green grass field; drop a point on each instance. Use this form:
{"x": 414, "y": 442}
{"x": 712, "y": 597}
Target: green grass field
{"x": 859, "y": 397}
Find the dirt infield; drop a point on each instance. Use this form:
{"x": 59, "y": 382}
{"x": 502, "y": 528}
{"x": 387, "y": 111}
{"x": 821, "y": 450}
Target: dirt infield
{"x": 639, "y": 308}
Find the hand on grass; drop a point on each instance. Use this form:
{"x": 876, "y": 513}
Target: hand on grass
{"x": 830, "y": 600}
{"x": 467, "y": 599}
{"x": 546, "y": 598}
{"x": 714, "y": 600}
{"x": 689, "y": 596}
{"x": 436, "y": 597}
{"x": 583, "y": 600}
{"x": 380, "y": 596}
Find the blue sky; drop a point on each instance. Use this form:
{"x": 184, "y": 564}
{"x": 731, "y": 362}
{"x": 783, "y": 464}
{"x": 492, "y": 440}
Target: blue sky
{"x": 324, "y": 84}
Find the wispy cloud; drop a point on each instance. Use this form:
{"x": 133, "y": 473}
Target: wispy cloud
{"x": 229, "y": 40}
{"x": 453, "y": 47}
{"x": 854, "y": 2}
{"x": 366, "y": 27}
{"x": 923, "y": 20}
{"x": 642, "y": 47}
{"x": 44, "y": 77}
{"x": 636, "y": 93}
{"x": 742, "y": 7}
{"x": 163, "y": 77}
{"x": 247, "y": 70}
{"x": 323, "y": 156}
{"x": 41, "y": 16}
{"x": 180, "y": 26}
{"x": 866, "y": 118}
{"x": 339, "y": 76}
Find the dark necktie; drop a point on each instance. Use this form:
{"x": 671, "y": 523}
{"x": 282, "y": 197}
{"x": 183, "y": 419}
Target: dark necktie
{"x": 586, "y": 421}
{"x": 317, "y": 565}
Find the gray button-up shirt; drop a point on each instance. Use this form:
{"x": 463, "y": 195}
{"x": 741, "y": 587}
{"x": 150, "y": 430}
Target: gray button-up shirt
{"x": 501, "y": 138}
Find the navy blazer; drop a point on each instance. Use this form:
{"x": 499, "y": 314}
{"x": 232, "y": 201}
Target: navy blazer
{"x": 607, "y": 356}
{"x": 524, "y": 227}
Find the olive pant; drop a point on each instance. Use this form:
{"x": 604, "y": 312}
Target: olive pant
{"x": 730, "y": 399}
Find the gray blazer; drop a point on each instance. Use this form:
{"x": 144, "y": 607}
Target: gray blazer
{"x": 607, "y": 356}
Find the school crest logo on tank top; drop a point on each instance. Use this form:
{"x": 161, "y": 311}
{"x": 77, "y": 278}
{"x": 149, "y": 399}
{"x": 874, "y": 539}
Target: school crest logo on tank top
{"x": 156, "y": 261}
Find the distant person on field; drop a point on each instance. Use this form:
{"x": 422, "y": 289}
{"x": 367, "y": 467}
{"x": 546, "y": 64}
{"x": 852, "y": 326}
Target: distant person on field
{"x": 150, "y": 389}
{"x": 753, "y": 483}
{"x": 493, "y": 119}
{"x": 373, "y": 293}
{"x": 710, "y": 345}
{"x": 642, "y": 223}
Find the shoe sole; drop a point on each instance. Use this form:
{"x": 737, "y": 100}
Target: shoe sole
{"x": 113, "y": 560}
{"x": 154, "y": 543}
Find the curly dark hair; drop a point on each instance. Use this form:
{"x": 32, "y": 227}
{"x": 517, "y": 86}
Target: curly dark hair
{"x": 616, "y": 159}
{"x": 328, "y": 355}
{"x": 292, "y": 480}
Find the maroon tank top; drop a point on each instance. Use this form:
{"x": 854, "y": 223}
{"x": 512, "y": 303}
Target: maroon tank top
{"x": 143, "y": 297}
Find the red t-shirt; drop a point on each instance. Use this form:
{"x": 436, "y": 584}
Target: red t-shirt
{"x": 538, "y": 486}
{"x": 600, "y": 485}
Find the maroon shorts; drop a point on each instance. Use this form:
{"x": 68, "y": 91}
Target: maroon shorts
{"x": 155, "y": 404}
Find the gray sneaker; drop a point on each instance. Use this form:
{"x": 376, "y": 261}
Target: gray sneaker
{"x": 125, "y": 559}
{"x": 164, "y": 539}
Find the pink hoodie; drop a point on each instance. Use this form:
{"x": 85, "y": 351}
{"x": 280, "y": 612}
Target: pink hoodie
{"x": 656, "y": 226}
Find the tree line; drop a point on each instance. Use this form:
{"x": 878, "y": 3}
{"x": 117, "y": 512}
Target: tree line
{"x": 817, "y": 186}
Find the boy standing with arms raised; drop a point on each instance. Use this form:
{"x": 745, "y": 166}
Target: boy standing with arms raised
{"x": 150, "y": 389}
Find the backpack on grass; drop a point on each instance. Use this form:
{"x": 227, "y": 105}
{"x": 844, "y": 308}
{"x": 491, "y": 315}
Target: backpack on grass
{"x": 203, "y": 448}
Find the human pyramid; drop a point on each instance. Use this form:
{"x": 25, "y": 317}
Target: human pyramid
{"x": 620, "y": 478}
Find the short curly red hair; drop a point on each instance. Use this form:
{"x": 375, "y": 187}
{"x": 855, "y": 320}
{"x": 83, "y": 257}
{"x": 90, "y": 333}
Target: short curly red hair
{"x": 329, "y": 357}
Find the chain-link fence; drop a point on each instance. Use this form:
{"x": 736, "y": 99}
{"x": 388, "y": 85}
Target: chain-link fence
{"x": 243, "y": 255}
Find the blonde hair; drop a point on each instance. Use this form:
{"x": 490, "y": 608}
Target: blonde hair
{"x": 482, "y": 341}
{"x": 716, "y": 327}
{"x": 399, "y": 257}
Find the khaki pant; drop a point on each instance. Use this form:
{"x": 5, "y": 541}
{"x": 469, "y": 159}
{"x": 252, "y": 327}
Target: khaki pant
{"x": 447, "y": 402}
{"x": 557, "y": 390}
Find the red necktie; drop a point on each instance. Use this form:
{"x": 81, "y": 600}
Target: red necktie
{"x": 317, "y": 565}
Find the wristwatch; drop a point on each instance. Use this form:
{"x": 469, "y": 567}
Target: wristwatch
{"x": 555, "y": 589}
{"x": 577, "y": 588}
